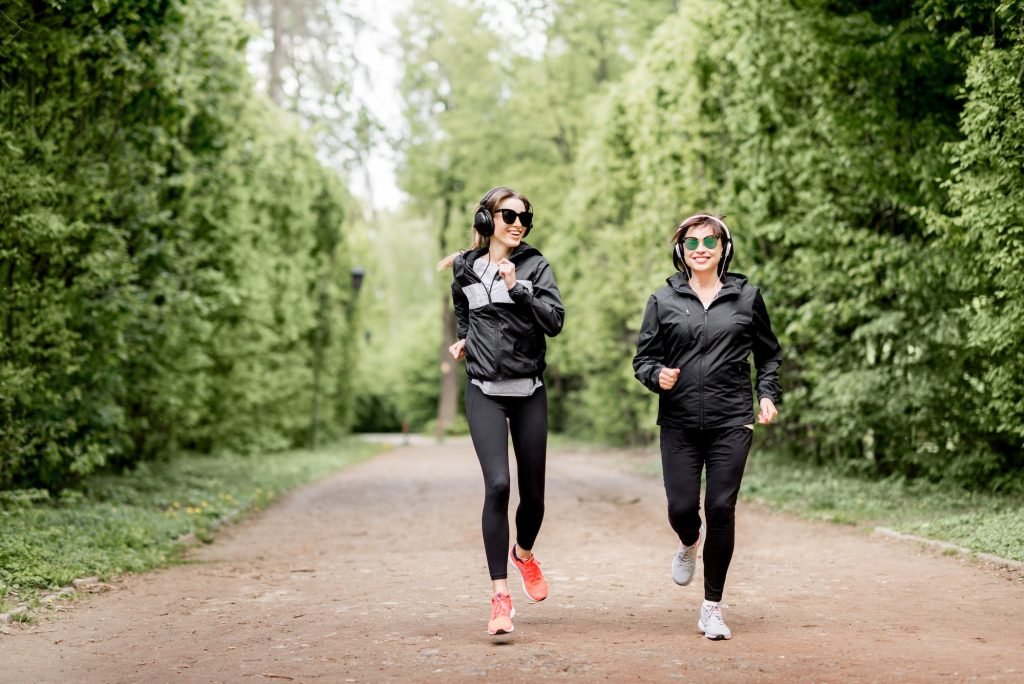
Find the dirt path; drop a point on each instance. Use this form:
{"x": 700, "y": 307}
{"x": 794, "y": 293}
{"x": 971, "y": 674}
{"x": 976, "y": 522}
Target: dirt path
{"x": 378, "y": 573}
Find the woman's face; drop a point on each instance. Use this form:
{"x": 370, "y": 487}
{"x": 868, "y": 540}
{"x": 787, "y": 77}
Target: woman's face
{"x": 509, "y": 234}
{"x": 702, "y": 258}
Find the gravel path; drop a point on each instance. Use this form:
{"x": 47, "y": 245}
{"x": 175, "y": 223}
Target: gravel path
{"x": 377, "y": 573}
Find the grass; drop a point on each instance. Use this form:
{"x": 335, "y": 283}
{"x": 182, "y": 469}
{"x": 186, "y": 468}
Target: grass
{"x": 134, "y": 522}
{"x": 981, "y": 522}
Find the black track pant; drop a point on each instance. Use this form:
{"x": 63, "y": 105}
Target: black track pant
{"x": 723, "y": 452}
{"x": 528, "y": 422}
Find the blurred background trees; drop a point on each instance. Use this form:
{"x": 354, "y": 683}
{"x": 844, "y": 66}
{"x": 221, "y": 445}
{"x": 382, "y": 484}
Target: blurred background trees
{"x": 177, "y": 237}
{"x": 867, "y": 156}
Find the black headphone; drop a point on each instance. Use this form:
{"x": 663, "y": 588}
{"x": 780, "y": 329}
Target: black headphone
{"x": 483, "y": 220}
{"x": 723, "y": 266}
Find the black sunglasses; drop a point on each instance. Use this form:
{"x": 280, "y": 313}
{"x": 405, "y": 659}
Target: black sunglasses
{"x": 509, "y": 217}
{"x": 710, "y": 241}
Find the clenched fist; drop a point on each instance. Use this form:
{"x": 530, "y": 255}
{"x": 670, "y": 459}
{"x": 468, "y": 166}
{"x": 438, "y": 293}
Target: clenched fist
{"x": 507, "y": 271}
{"x": 458, "y": 350}
{"x": 768, "y": 412}
{"x": 667, "y": 378}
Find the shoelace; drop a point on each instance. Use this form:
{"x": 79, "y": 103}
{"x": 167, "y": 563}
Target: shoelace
{"x": 501, "y": 606}
{"x": 531, "y": 569}
{"x": 713, "y": 613}
{"x": 687, "y": 554}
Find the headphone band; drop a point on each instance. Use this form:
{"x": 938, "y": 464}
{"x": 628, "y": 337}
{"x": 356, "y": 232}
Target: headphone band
{"x": 717, "y": 220}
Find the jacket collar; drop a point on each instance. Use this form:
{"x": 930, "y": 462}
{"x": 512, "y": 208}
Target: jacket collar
{"x": 464, "y": 262}
{"x": 734, "y": 282}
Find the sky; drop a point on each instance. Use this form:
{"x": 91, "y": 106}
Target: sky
{"x": 376, "y": 85}
{"x": 379, "y": 89}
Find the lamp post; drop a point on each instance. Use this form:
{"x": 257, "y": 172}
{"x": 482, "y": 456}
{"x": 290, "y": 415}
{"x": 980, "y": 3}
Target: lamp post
{"x": 357, "y": 278}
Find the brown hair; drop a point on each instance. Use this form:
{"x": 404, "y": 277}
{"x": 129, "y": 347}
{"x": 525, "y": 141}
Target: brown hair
{"x": 697, "y": 221}
{"x": 489, "y": 201}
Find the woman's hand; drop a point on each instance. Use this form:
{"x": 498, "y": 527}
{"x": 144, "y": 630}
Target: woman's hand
{"x": 458, "y": 350}
{"x": 507, "y": 271}
{"x": 667, "y": 378}
{"x": 768, "y": 411}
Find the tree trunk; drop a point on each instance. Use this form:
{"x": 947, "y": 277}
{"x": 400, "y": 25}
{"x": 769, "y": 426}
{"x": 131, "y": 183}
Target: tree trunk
{"x": 448, "y": 399}
{"x": 277, "y": 57}
{"x": 322, "y": 321}
{"x": 449, "y": 391}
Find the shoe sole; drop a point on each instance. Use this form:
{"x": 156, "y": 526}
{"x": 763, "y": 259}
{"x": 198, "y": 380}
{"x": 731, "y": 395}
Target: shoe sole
{"x": 535, "y": 600}
{"x": 683, "y": 584}
{"x": 511, "y": 615}
{"x": 713, "y": 637}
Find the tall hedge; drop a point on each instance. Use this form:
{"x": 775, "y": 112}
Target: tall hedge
{"x": 171, "y": 250}
{"x": 868, "y": 158}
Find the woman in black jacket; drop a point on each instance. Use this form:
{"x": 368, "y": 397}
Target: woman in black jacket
{"x": 695, "y": 340}
{"x": 506, "y": 301}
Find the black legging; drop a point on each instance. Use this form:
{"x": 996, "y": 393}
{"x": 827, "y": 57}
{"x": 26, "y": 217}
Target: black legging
{"x": 684, "y": 453}
{"x": 528, "y": 422}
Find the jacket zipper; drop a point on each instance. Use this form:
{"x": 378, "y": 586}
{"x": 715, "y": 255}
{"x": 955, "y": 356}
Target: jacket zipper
{"x": 494, "y": 310}
{"x": 490, "y": 301}
{"x": 703, "y": 359}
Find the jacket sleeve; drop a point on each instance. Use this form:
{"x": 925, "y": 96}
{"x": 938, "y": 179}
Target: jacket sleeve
{"x": 544, "y": 299}
{"x": 650, "y": 357}
{"x": 461, "y": 311}
{"x": 767, "y": 353}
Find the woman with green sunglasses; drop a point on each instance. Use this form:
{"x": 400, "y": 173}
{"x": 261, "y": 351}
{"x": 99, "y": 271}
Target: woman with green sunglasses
{"x": 693, "y": 350}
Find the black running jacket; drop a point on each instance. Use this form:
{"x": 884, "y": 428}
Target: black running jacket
{"x": 711, "y": 349}
{"x": 504, "y": 332}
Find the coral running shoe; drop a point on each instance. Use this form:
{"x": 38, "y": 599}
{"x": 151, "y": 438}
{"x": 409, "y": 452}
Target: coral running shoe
{"x": 534, "y": 584}
{"x": 502, "y": 613}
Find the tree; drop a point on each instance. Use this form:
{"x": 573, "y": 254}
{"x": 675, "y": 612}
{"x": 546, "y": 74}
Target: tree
{"x": 486, "y": 108}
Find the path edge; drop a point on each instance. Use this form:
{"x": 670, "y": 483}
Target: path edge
{"x": 947, "y": 547}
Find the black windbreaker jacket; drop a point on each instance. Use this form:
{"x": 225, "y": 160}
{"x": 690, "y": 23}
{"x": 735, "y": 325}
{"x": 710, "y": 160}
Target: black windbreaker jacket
{"x": 711, "y": 349}
{"x": 504, "y": 333}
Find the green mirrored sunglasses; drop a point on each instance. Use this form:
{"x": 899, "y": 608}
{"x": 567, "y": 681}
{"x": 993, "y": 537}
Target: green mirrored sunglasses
{"x": 691, "y": 243}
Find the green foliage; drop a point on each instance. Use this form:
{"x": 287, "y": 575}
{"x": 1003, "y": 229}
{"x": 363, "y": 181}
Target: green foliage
{"x": 833, "y": 181}
{"x": 985, "y": 229}
{"x": 172, "y": 261}
{"x": 868, "y": 160}
{"x": 867, "y": 155}
{"x": 651, "y": 153}
{"x": 131, "y": 522}
{"x": 497, "y": 103}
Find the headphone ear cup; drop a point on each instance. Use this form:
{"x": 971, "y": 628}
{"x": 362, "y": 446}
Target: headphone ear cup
{"x": 483, "y": 222}
{"x": 679, "y": 252}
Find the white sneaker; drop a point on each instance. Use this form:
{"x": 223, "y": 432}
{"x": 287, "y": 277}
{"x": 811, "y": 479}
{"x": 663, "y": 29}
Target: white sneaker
{"x": 684, "y": 562}
{"x": 711, "y": 622}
